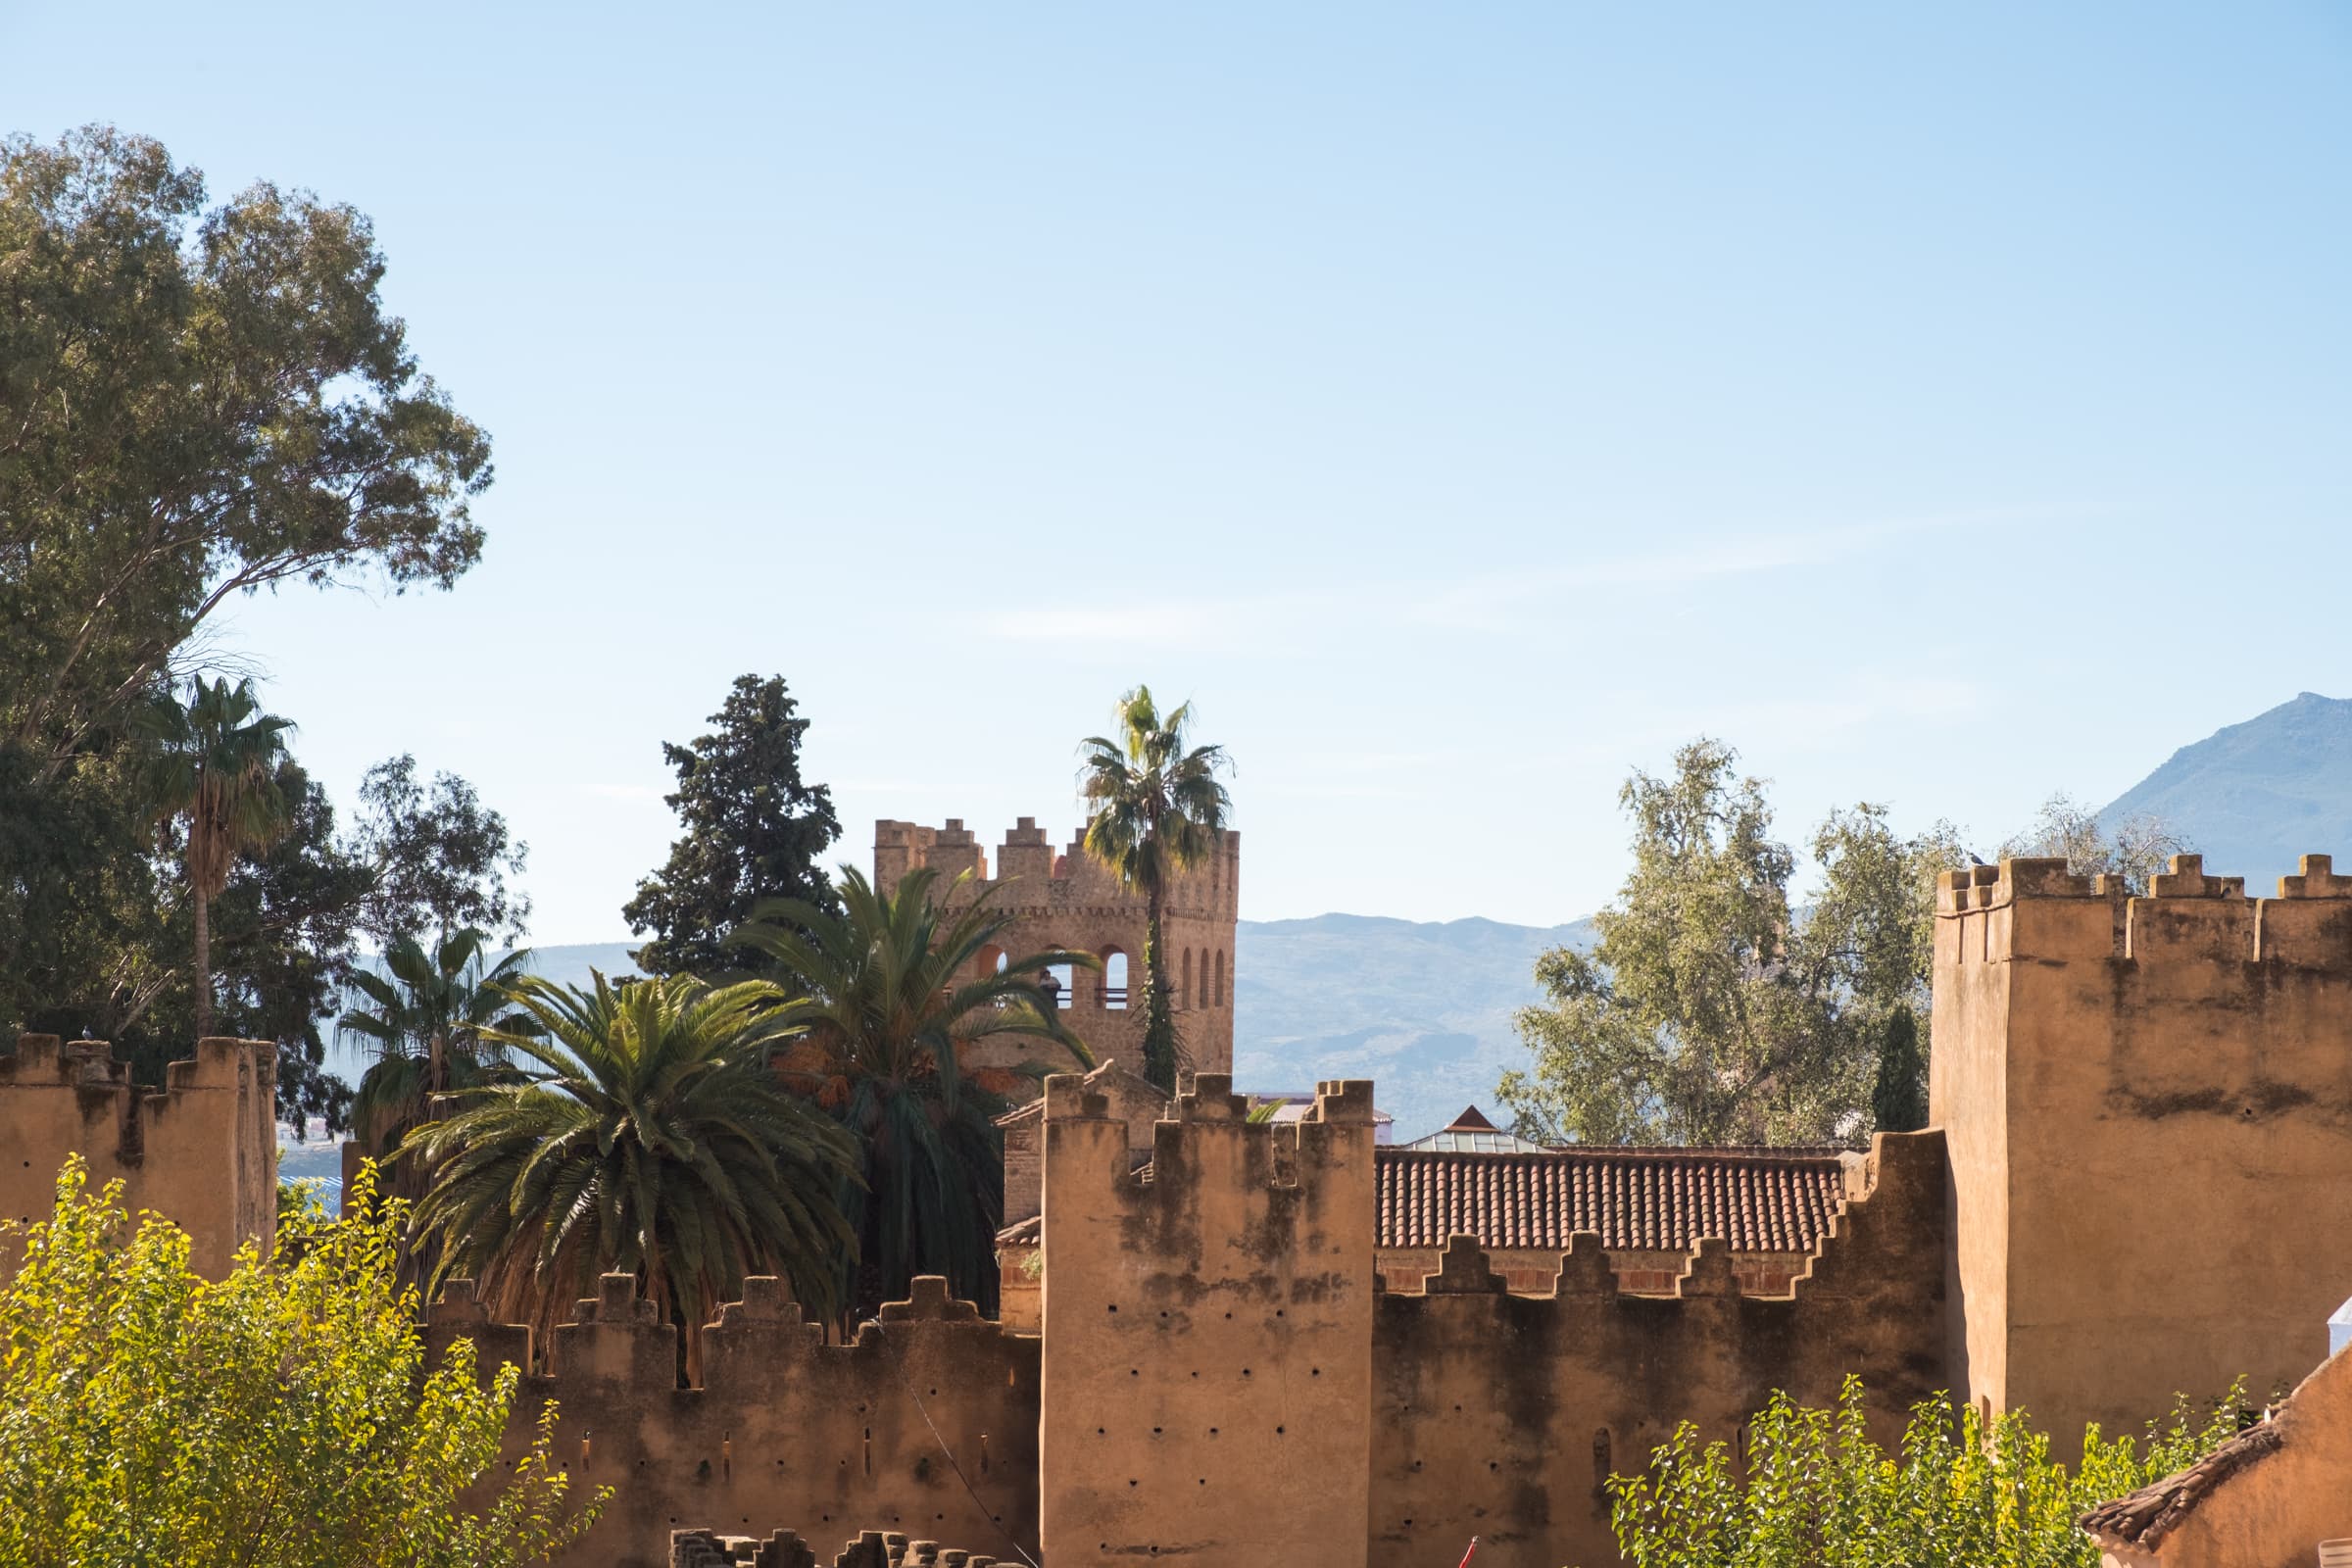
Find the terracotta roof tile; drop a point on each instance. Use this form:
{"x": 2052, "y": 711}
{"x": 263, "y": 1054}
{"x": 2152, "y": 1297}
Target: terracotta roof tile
{"x": 1759, "y": 1201}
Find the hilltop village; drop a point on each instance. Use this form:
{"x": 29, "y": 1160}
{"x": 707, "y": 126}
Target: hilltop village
{"x": 1236, "y": 1336}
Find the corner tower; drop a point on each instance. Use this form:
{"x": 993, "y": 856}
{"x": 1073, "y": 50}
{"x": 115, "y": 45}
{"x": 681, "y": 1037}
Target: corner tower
{"x": 2148, "y": 1107}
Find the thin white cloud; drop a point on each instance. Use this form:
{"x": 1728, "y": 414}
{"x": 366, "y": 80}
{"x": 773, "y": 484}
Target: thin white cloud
{"x": 1489, "y": 601}
{"x": 1495, "y": 596}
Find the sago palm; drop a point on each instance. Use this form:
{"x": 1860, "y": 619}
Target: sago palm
{"x": 424, "y": 1021}
{"x": 650, "y": 1138}
{"x": 889, "y": 1002}
{"x": 212, "y": 763}
{"x": 1155, "y": 809}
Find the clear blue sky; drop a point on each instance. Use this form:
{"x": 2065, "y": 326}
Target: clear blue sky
{"x": 1463, "y": 404}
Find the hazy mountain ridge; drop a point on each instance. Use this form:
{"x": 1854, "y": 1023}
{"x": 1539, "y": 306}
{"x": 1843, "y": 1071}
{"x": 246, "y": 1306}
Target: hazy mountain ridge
{"x": 2254, "y": 797}
{"x": 1423, "y": 1007}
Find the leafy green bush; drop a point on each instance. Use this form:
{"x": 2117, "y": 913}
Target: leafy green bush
{"x": 280, "y": 1416}
{"x": 1816, "y": 1491}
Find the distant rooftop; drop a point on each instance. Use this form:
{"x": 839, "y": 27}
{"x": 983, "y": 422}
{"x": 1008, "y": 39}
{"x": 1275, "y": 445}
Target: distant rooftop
{"x": 1471, "y": 1133}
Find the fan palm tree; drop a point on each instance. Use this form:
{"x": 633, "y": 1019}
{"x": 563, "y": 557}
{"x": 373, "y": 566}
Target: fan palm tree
{"x": 1155, "y": 809}
{"x": 648, "y": 1135}
{"x": 424, "y": 1021}
{"x": 885, "y": 1016}
{"x": 213, "y": 764}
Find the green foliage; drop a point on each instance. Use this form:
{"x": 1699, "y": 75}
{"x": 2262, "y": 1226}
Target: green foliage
{"x": 2135, "y": 848}
{"x": 1155, "y": 809}
{"x": 425, "y": 1022}
{"x": 653, "y": 1138}
{"x": 753, "y": 833}
{"x": 890, "y": 998}
{"x": 284, "y": 1415}
{"x": 198, "y": 403}
{"x": 1899, "y": 1099}
{"x": 1816, "y": 1491}
{"x": 1712, "y": 1011}
{"x": 214, "y": 768}
{"x": 439, "y": 859}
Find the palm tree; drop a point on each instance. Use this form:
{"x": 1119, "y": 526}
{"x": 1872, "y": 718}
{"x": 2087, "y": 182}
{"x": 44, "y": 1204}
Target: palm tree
{"x": 890, "y": 1000}
{"x": 213, "y": 765}
{"x": 1156, "y": 808}
{"x": 424, "y": 1020}
{"x": 652, "y": 1139}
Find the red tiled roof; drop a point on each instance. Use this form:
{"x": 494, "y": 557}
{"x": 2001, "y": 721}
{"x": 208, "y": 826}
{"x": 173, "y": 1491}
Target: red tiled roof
{"x": 1759, "y": 1201}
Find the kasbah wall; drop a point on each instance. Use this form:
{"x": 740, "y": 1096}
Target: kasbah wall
{"x": 2143, "y": 1154}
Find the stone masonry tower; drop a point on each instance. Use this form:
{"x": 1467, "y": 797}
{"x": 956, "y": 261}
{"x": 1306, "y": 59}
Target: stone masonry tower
{"x": 2148, "y": 1104}
{"x": 1064, "y": 898}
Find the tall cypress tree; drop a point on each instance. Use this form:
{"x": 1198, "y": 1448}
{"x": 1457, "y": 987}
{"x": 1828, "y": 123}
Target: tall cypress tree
{"x": 1899, "y": 1101}
{"x": 754, "y": 830}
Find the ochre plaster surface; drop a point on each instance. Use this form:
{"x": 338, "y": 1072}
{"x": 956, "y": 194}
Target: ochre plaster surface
{"x": 203, "y": 1151}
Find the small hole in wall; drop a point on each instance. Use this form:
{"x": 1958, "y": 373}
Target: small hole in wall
{"x": 1229, "y": 1318}
{"x": 1212, "y": 1432}
{"x": 1131, "y": 1482}
{"x": 1101, "y": 1432}
{"x": 1314, "y": 1372}
{"x": 1135, "y": 1371}
{"x": 1204, "y": 1481}
{"x": 935, "y": 1394}
{"x": 1244, "y": 1371}
{"x": 1278, "y": 1431}
{"x": 1278, "y": 1311}
{"x": 1156, "y": 1431}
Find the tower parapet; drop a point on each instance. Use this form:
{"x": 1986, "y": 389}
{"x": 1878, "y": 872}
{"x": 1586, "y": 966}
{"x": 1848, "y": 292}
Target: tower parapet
{"x": 202, "y": 1150}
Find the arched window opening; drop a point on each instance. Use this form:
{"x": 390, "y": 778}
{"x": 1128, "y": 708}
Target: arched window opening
{"x": 1220, "y": 990}
{"x": 1184, "y": 991}
{"x": 1058, "y": 984}
{"x": 1114, "y": 979}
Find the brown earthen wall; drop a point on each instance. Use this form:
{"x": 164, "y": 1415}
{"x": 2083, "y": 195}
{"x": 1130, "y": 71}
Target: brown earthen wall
{"x": 1501, "y": 1416}
{"x": 832, "y": 1437}
{"x": 202, "y": 1151}
{"x": 2169, "y": 1079}
{"x": 1532, "y": 1271}
{"x": 1208, "y": 1396}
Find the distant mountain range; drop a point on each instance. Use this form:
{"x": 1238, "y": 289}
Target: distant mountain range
{"x": 2255, "y": 796}
{"x": 1423, "y": 1007}
{"x": 1426, "y": 1008}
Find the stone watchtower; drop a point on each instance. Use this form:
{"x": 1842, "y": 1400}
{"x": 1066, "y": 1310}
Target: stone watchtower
{"x": 2148, "y": 1104}
{"x": 1065, "y": 898}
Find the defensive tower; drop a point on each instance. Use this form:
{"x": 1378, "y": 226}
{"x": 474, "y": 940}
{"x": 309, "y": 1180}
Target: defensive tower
{"x": 1064, "y": 898}
{"x": 2148, "y": 1103}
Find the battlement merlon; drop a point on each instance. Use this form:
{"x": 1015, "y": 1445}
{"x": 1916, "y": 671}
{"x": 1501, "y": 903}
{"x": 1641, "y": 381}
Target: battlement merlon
{"x": 1028, "y": 855}
{"x": 221, "y": 1064}
{"x": 2036, "y": 909}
